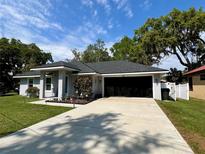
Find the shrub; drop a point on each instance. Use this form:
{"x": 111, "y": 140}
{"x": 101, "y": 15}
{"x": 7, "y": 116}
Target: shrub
{"x": 83, "y": 86}
{"x": 32, "y": 92}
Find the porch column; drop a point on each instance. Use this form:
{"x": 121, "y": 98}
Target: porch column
{"x": 42, "y": 87}
{"x": 156, "y": 87}
{"x": 61, "y": 80}
{"x": 93, "y": 84}
{"x": 103, "y": 90}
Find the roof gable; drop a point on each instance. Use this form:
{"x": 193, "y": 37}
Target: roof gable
{"x": 199, "y": 69}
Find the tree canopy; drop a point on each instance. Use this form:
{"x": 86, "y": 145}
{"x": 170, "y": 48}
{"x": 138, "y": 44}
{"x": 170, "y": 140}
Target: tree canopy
{"x": 128, "y": 49}
{"x": 179, "y": 33}
{"x": 93, "y": 53}
{"x": 176, "y": 76}
{"x": 16, "y": 57}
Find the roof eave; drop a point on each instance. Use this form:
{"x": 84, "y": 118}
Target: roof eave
{"x": 25, "y": 76}
{"x": 134, "y": 73}
{"x": 54, "y": 68}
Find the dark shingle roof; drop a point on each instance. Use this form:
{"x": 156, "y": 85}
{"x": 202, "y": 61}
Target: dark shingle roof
{"x": 107, "y": 67}
{"x": 84, "y": 68}
{"x": 121, "y": 67}
{"x": 59, "y": 63}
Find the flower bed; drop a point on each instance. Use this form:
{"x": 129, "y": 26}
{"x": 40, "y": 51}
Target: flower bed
{"x": 70, "y": 101}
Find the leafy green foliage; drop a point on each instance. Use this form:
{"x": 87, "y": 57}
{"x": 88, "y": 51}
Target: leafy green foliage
{"x": 176, "y": 76}
{"x": 83, "y": 86}
{"x": 178, "y": 33}
{"x": 16, "y": 57}
{"x": 32, "y": 91}
{"x": 128, "y": 49}
{"x": 93, "y": 53}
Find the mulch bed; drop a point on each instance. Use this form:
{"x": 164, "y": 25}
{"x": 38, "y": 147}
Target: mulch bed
{"x": 75, "y": 101}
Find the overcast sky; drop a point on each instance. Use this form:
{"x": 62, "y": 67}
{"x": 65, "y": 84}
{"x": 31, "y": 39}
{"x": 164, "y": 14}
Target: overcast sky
{"x": 61, "y": 25}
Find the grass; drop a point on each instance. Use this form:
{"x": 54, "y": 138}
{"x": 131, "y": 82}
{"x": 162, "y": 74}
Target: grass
{"x": 16, "y": 113}
{"x": 189, "y": 119}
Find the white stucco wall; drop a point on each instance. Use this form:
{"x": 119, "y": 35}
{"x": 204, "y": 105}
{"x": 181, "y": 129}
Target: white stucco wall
{"x": 24, "y": 85}
{"x": 36, "y": 82}
{"x": 71, "y": 85}
{"x": 97, "y": 84}
{"x": 156, "y": 86}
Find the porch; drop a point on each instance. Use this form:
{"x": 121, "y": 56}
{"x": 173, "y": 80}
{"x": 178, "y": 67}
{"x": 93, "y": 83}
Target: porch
{"x": 60, "y": 84}
{"x": 56, "y": 84}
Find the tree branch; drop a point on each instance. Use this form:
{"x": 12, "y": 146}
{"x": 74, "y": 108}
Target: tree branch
{"x": 201, "y": 40}
{"x": 181, "y": 50}
{"x": 180, "y": 59}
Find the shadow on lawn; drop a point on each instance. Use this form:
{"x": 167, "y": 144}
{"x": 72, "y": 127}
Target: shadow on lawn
{"x": 9, "y": 94}
{"x": 86, "y": 135}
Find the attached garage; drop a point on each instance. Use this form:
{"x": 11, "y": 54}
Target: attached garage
{"x": 128, "y": 86}
{"x": 109, "y": 78}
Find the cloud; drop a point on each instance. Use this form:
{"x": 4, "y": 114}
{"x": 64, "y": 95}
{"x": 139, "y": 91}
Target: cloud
{"x": 146, "y": 4}
{"x": 33, "y": 22}
{"x": 105, "y": 4}
{"x": 124, "y": 5}
{"x": 95, "y": 13}
{"x": 110, "y": 24}
{"x": 59, "y": 51}
{"x": 128, "y": 11}
{"x": 26, "y": 20}
{"x": 93, "y": 29}
{"x": 29, "y": 13}
{"x": 88, "y": 3}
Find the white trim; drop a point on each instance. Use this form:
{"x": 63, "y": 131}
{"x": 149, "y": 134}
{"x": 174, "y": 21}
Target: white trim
{"x": 133, "y": 74}
{"x": 85, "y": 74}
{"x": 28, "y": 76}
{"x": 103, "y": 87}
{"x": 153, "y": 86}
{"x": 53, "y": 68}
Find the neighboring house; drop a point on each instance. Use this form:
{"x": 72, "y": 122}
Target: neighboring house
{"x": 197, "y": 82}
{"x": 109, "y": 78}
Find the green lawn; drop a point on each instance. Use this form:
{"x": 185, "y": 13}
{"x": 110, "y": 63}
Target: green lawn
{"x": 16, "y": 113}
{"x": 189, "y": 118}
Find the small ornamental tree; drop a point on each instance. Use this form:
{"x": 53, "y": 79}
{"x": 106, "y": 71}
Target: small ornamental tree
{"x": 83, "y": 86}
{"x": 176, "y": 76}
{"x": 32, "y": 92}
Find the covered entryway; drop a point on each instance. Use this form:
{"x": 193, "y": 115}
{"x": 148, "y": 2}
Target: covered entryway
{"x": 128, "y": 86}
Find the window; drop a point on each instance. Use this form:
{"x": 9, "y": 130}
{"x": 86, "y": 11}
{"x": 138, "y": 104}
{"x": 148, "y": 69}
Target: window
{"x": 66, "y": 84}
{"x": 202, "y": 77}
{"x": 30, "y": 83}
{"x": 190, "y": 84}
{"x": 48, "y": 83}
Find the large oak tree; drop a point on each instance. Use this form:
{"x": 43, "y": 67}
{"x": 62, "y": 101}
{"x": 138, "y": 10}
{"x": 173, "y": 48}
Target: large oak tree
{"x": 180, "y": 33}
{"x": 128, "y": 49}
{"x": 17, "y": 57}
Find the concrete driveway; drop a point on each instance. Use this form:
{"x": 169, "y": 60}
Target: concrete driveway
{"x": 109, "y": 125}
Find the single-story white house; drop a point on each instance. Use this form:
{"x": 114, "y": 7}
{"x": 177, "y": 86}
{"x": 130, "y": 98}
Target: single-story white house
{"x": 109, "y": 78}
